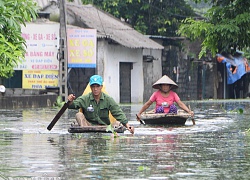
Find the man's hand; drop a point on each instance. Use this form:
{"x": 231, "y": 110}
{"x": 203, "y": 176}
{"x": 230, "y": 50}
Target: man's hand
{"x": 130, "y": 128}
{"x": 71, "y": 98}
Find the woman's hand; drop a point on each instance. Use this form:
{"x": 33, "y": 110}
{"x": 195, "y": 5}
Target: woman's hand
{"x": 138, "y": 117}
{"x": 191, "y": 113}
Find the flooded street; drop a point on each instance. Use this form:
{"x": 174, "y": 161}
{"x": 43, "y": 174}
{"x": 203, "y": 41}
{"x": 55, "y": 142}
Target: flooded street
{"x": 217, "y": 147}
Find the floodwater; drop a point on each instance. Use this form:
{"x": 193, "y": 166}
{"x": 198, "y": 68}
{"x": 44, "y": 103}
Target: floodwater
{"x": 217, "y": 147}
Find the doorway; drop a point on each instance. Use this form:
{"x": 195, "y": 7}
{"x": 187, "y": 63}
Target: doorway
{"x": 125, "y": 82}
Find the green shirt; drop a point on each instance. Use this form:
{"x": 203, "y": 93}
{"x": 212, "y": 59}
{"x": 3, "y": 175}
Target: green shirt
{"x": 100, "y": 113}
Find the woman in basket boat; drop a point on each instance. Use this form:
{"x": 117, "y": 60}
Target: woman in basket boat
{"x": 164, "y": 98}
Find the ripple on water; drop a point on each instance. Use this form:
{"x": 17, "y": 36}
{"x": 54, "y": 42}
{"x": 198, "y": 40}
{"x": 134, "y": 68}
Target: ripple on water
{"x": 214, "y": 148}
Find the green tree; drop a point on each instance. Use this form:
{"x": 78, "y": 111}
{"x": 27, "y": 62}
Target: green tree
{"x": 14, "y": 13}
{"x": 155, "y": 17}
{"x": 225, "y": 28}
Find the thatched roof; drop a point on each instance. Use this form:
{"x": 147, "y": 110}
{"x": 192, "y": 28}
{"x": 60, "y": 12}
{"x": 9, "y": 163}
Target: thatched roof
{"x": 107, "y": 26}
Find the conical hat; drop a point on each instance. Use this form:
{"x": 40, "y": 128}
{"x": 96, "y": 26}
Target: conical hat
{"x": 165, "y": 80}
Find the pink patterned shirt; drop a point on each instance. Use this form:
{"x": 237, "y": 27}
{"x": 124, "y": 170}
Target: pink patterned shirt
{"x": 164, "y": 101}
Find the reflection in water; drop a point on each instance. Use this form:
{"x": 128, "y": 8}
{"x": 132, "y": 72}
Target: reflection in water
{"x": 217, "y": 147}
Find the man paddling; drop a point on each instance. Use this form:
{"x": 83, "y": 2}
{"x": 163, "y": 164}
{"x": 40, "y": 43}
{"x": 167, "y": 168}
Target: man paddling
{"x": 96, "y": 106}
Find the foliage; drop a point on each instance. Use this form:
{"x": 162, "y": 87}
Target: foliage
{"x": 224, "y": 29}
{"x": 111, "y": 129}
{"x": 143, "y": 168}
{"x": 238, "y": 110}
{"x": 59, "y": 102}
{"x": 155, "y": 17}
{"x": 14, "y": 13}
{"x": 200, "y": 8}
{"x": 246, "y": 51}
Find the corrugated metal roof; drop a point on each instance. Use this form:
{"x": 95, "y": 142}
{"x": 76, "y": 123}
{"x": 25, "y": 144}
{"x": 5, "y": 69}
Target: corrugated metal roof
{"x": 88, "y": 16}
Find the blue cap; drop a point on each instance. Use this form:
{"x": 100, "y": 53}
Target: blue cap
{"x": 95, "y": 79}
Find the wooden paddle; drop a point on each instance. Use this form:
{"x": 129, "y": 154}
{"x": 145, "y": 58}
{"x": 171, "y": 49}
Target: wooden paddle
{"x": 59, "y": 114}
{"x": 141, "y": 121}
{"x": 192, "y": 118}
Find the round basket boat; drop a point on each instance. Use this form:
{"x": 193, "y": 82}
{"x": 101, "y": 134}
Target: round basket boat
{"x": 165, "y": 119}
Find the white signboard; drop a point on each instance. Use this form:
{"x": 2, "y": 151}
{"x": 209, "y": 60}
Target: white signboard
{"x": 42, "y": 42}
{"x": 81, "y": 48}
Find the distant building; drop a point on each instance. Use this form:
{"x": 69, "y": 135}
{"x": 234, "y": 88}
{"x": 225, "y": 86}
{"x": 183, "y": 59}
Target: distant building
{"x": 121, "y": 51}
{"x": 131, "y": 62}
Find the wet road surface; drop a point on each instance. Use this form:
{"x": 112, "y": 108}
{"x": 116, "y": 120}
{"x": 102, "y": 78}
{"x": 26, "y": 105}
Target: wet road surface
{"x": 217, "y": 147}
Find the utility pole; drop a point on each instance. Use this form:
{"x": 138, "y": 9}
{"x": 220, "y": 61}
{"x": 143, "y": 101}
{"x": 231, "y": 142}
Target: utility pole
{"x": 63, "y": 52}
